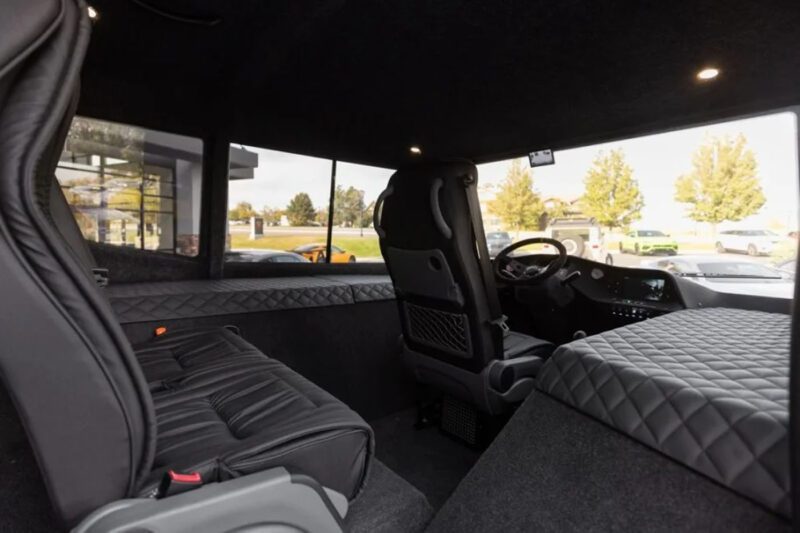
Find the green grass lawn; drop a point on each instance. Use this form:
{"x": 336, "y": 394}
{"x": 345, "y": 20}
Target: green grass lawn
{"x": 367, "y": 246}
{"x": 359, "y": 246}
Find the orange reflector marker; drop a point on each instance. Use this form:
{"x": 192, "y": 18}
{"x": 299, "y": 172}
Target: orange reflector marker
{"x": 160, "y": 330}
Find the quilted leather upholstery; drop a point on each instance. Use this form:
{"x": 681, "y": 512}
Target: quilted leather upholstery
{"x": 367, "y": 288}
{"x": 229, "y": 410}
{"x": 139, "y": 302}
{"x": 707, "y": 387}
{"x": 183, "y": 352}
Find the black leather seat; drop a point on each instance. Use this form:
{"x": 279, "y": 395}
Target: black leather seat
{"x": 105, "y": 421}
{"x": 225, "y": 409}
{"x": 180, "y": 353}
{"x": 431, "y": 236}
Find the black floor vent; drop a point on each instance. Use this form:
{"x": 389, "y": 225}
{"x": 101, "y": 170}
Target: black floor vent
{"x": 460, "y": 420}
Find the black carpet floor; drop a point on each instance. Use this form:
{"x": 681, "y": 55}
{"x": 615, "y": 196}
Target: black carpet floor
{"x": 388, "y": 504}
{"x": 427, "y": 458}
{"x": 555, "y": 469}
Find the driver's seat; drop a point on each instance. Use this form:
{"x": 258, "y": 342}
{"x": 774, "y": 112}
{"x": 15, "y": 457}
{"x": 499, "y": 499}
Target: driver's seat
{"x": 455, "y": 338}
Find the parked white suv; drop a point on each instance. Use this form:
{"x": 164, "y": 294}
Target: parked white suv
{"x": 750, "y": 241}
{"x": 582, "y": 237}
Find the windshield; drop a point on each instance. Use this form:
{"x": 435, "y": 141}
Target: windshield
{"x": 497, "y": 235}
{"x": 731, "y": 270}
{"x": 723, "y": 192}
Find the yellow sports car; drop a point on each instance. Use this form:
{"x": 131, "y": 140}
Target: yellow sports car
{"x": 316, "y": 253}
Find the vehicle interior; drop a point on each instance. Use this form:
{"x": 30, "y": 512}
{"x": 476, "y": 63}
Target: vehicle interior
{"x": 162, "y": 369}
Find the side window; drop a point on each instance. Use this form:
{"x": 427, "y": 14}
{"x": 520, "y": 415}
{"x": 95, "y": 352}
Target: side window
{"x": 279, "y": 208}
{"x": 133, "y": 187}
{"x": 357, "y": 188}
{"x": 277, "y": 205}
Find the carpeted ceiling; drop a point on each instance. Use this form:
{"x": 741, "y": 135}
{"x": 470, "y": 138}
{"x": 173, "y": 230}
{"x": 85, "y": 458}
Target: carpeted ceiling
{"x": 363, "y": 80}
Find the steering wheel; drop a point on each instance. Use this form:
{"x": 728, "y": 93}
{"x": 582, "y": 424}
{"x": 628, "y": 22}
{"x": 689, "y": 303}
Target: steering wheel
{"x": 516, "y": 272}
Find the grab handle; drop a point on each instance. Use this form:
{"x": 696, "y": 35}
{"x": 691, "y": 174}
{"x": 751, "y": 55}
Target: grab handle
{"x": 378, "y": 211}
{"x": 437, "y": 210}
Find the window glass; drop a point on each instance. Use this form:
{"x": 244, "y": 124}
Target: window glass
{"x": 134, "y": 187}
{"x": 277, "y": 206}
{"x": 722, "y": 198}
{"x": 357, "y": 188}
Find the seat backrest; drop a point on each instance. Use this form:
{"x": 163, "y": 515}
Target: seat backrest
{"x": 439, "y": 263}
{"x": 64, "y": 360}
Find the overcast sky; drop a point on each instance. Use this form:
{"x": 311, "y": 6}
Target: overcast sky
{"x": 657, "y": 160}
{"x": 280, "y": 176}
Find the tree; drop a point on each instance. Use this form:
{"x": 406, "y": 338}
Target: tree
{"x": 349, "y": 209}
{"x": 272, "y": 216}
{"x": 300, "y": 210}
{"x": 88, "y": 136}
{"x": 723, "y": 183}
{"x": 612, "y": 195}
{"x": 516, "y": 204}
{"x": 242, "y": 212}
{"x": 321, "y": 217}
{"x": 553, "y": 208}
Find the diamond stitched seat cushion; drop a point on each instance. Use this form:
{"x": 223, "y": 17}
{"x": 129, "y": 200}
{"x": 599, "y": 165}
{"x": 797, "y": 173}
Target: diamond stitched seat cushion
{"x": 708, "y": 387}
{"x": 167, "y": 300}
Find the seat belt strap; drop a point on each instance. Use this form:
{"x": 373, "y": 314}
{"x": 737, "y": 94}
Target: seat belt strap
{"x": 487, "y": 274}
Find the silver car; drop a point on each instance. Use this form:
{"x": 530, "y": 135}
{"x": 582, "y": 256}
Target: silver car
{"x": 729, "y": 275}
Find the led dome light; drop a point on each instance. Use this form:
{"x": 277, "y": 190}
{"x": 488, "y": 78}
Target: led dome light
{"x": 416, "y": 150}
{"x": 708, "y": 74}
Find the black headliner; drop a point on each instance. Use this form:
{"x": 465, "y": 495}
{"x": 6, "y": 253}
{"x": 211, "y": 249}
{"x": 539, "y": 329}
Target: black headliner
{"x": 362, "y": 81}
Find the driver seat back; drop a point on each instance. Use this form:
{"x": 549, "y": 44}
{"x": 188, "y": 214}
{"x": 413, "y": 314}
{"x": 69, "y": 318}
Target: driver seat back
{"x": 431, "y": 235}
{"x": 427, "y": 237}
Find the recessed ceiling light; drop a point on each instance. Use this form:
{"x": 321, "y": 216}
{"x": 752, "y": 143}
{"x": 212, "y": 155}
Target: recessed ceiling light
{"x": 416, "y": 150}
{"x": 708, "y": 74}
{"x": 93, "y": 14}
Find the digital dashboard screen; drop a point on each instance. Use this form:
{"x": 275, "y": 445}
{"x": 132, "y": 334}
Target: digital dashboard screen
{"x": 643, "y": 289}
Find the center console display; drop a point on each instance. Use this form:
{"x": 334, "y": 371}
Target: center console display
{"x": 644, "y": 289}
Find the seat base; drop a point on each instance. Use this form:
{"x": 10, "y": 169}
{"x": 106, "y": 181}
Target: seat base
{"x": 517, "y": 344}
{"x": 497, "y": 387}
{"x": 501, "y": 384}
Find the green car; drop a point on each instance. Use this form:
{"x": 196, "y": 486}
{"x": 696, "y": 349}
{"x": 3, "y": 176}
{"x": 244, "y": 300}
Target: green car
{"x": 648, "y": 242}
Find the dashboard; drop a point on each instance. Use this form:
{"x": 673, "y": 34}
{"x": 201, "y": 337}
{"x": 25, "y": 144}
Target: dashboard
{"x": 585, "y": 297}
{"x": 594, "y": 297}
{"x": 633, "y": 293}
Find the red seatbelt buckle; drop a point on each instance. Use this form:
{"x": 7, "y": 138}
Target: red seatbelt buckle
{"x": 177, "y": 482}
